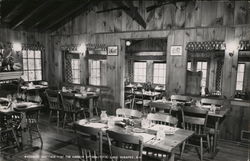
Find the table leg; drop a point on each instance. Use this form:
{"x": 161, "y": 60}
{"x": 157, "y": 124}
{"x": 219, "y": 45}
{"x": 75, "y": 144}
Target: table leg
{"x": 91, "y": 107}
{"x": 214, "y": 139}
{"x": 216, "y": 135}
{"x": 25, "y": 132}
{"x": 172, "y": 155}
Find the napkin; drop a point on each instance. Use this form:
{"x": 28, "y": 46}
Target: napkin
{"x": 96, "y": 125}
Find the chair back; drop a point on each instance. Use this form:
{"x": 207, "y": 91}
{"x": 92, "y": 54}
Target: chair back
{"x": 194, "y": 119}
{"x": 125, "y": 112}
{"x": 53, "y": 99}
{"x": 180, "y": 98}
{"x": 208, "y": 101}
{"x": 68, "y": 101}
{"x": 89, "y": 141}
{"x": 163, "y": 119}
{"x": 122, "y": 145}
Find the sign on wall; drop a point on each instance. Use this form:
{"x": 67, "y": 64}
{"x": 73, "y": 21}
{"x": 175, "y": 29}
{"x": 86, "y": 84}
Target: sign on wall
{"x": 113, "y": 50}
{"x": 176, "y": 50}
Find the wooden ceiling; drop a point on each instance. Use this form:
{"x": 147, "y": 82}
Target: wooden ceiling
{"x": 49, "y": 15}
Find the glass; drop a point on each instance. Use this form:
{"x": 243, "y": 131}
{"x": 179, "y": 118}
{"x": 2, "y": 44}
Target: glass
{"x": 104, "y": 115}
{"x": 145, "y": 123}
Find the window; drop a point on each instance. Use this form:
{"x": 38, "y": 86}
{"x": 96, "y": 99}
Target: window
{"x": 189, "y": 66}
{"x": 140, "y": 71}
{"x": 75, "y": 66}
{"x": 95, "y": 72}
{"x": 159, "y": 73}
{"x": 32, "y": 65}
{"x": 202, "y": 66}
{"x": 240, "y": 77}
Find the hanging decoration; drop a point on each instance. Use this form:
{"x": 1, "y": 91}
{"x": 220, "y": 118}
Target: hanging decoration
{"x": 206, "y": 46}
{"x": 244, "y": 45}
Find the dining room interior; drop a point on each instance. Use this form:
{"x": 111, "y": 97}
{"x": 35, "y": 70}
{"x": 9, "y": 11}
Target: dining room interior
{"x": 124, "y": 80}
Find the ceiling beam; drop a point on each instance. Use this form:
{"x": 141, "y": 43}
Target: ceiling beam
{"x": 132, "y": 11}
{"x": 72, "y": 14}
{"x": 15, "y": 10}
{"x": 42, "y": 6}
{"x": 56, "y": 11}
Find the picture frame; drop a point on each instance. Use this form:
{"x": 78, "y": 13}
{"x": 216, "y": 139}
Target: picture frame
{"x": 176, "y": 50}
{"x": 112, "y": 50}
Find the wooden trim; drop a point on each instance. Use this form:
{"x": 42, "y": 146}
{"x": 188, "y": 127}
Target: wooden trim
{"x": 10, "y": 75}
{"x": 161, "y": 57}
{"x": 96, "y": 56}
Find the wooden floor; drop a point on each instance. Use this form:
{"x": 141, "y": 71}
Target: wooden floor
{"x": 59, "y": 144}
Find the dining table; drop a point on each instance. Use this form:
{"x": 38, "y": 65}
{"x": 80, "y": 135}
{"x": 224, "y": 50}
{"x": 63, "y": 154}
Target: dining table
{"x": 92, "y": 97}
{"x": 173, "y": 137}
{"x": 217, "y": 116}
{"x": 20, "y": 107}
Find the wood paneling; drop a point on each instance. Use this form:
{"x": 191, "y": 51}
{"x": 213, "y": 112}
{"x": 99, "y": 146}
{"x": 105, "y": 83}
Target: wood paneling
{"x": 180, "y": 24}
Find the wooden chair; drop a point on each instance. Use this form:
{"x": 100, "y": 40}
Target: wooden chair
{"x": 125, "y": 145}
{"x": 90, "y": 142}
{"x": 195, "y": 119}
{"x": 180, "y": 98}
{"x": 54, "y": 104}
{"x": 8, "y": 137}
{"x": 212, "y": 123}
{"x": 70, "y": 108}
{"x": 32, "y": 124}
{"x": 163, "y": 119}
{"x": 139, "y": 101}
{"x": 125, "y": 112}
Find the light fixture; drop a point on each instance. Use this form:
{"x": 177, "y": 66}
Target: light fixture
{"x": 81, "y": 48}
{"x": 128, "y": 43}
{"x": 17, "y": 46}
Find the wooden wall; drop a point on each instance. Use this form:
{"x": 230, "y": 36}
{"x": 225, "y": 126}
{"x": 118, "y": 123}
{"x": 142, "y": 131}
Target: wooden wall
{"x": 8, "y": 35}
{"x": 180, "y": 24}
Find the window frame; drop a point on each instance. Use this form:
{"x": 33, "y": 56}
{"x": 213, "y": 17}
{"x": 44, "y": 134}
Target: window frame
{"x": 156, "y": 62}
{"x": 42, "y": 66}
{"x": 243, "y": 81}
{"x": 79, "y": 69}
{"x": 134, "y": 71}
{"x": 89, "y": 71}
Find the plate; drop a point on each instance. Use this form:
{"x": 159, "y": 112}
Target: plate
{"x": 138, "y": 130}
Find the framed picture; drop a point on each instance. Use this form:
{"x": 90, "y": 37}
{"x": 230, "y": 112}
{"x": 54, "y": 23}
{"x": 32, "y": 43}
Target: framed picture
{"x": 113, "y": 50}
{"x": 176, "y": 50}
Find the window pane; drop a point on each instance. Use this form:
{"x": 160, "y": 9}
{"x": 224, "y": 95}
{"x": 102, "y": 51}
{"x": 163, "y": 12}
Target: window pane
{"x": 140, "y": 71}
{"x": 159, "y": 73}
{"x": 25, "y": 76}
{"x": 24, "y": 53}
{"x": 95, "y": 72}
{"x": 31, "y": 75}
{"x": 25, "y": 64}
{"x": 31, "y": 64}
{"x": 38, "y": 64}
{"x": 38, "y": 75}
{"x": 38, "y": 54}
{"x": 30, "y": 54}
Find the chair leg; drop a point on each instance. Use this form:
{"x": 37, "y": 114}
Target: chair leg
{"x": 57, "y": 118}
{"x": 74, "y": 117}
{"x": 64, "y": 119}
{"x": 40, "y": 136}
{"x": 208, "y": 143}
{"x": 201, "y": 144}
{"x": 182, "y": 148}
{"x": 14, "y": 135}
{"x": 50, "y": 115}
